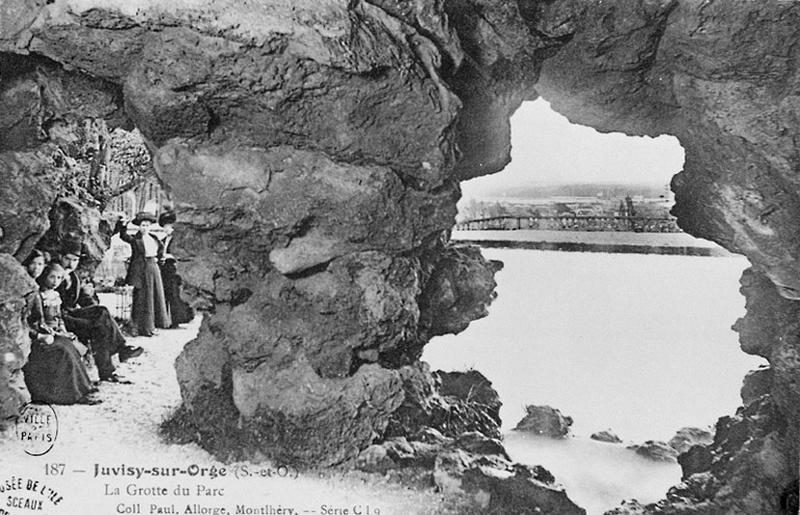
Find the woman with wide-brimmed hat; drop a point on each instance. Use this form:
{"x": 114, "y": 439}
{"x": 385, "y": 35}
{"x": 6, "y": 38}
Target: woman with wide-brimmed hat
{"x": 149, "y": 309}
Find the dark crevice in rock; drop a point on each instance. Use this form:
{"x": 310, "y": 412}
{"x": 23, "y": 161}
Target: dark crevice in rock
{"x": 213, "y": 121}
{"x": 240, "y": 296}
{"x": 309, "y": 272}
{"x": 98, "y": 18}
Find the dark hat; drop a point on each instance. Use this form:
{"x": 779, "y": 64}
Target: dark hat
{"x": 71, "y": 246}
{"x": 167, "y": 217}
{"x": 144, "y": 216}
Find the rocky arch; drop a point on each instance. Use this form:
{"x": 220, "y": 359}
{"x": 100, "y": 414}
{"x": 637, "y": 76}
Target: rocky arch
{"x": 315, "y": 148}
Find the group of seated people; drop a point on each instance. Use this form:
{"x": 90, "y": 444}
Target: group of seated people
{"x": 73, "y": 337}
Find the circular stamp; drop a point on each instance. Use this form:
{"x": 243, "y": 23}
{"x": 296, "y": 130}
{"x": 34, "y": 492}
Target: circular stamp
{"x": 37, "y": 428}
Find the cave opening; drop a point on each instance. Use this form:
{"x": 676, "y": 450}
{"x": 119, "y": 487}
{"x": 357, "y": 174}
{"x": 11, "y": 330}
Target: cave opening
{"x": 639, "y": 343}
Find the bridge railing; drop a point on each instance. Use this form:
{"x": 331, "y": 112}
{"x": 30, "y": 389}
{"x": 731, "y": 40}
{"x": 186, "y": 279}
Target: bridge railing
{"x": 570, "y": 223}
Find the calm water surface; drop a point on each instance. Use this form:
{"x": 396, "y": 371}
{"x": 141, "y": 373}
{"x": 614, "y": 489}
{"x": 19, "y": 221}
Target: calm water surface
{"x": 637, "y": 343}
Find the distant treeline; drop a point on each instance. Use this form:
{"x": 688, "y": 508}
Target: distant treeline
{"x": 579, "y": 190}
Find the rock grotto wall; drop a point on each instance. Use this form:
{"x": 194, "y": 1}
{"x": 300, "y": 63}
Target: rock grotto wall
{"x": 314, "y": 148}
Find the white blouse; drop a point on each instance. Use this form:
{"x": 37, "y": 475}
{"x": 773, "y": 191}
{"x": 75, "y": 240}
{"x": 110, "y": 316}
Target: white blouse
{"x": 150, "y": 246}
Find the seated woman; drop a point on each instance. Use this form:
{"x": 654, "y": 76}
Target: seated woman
{"x": 55, "y": 372}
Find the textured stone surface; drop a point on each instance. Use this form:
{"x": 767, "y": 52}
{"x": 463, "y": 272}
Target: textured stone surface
{"x": 15, "y": 345}
{"x": 45, "y": 151}
{"x": 756, "y": 383}
{"x": 449, "y": 403}
{"x": 719, "y": 76}
{"x": 26, "y": 201}
{"x": 749, "y": 468}
{"x": 656, "y": 451}
{"x": 544, "y": 421}
{"x": 688, "y": 437}
{"x": 456, "y": 290}
{"x": 607, "y": 436}
{"x": 71, "y": 219}
{"x": 474, "y": 469}
{"x": 677, "y": 67}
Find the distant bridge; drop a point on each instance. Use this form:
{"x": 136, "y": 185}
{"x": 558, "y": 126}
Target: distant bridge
{"x": 570, "y": 223}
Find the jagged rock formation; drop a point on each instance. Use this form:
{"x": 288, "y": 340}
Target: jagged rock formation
{"x": 293, "y": 202}
{"x": 688, "y": 437}
{"x": 450, "y": 403}
{"x": 544, "y": 421}
{"x": 15, "y": 346}
{"x": 679, "y": 446}
{"x": 315, "y": 147}
{"x": 473, "y": 468}
{"x": 607, "y": 436}
{"x": 656, "y": 451}
{"x": 446, "y": 434}
{"x": 747, "y": 469}
{"x": 756, "y": 383}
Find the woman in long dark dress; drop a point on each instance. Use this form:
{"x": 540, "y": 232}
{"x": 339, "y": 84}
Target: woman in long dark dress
{"x": 180, "y": 312}
{"x": 55, "y": 372}
{"x": 149, "y": 309}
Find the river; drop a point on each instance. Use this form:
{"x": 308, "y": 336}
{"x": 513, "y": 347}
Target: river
{"x": 640, "y": 344}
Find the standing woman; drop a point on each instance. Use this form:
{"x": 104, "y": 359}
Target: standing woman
{"x": 179, "y": 311}
{"x": 149, "y": 309}
{"x": 55, "y": 372}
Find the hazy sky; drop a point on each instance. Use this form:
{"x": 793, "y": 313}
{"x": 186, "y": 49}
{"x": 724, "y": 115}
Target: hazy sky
{"x": 547, "y": 149}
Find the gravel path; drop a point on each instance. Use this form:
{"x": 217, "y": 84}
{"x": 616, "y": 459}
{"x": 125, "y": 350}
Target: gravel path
{"x": 124, "y": 430}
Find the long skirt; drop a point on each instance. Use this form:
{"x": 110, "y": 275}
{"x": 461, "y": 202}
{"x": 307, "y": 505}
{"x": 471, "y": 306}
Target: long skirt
{"x": 55, "y": 373}
{"x": 96, "y": 326}
{"x": 180, "y": 312}
{"x": 149, "y": 309}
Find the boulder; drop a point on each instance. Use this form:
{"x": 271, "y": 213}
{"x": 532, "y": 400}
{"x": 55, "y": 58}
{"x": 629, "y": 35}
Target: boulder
{"x": 451, "y": 403}
{"x": 544, "y": 421}
{"x": 71, "y": 219}
{"x": 607, "y": 436}
{"x": 695, "y": 460}
{"x": 656, "y": 451}
{"x": 459, "y": 288}
{"x": 748, "y": 454}
{"x": 688, "y": 437}
{"x": 515, "y": 490}
{"x": 629, "y": 507}
{"x": 473, "y": 472}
